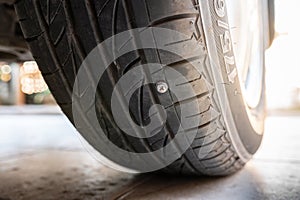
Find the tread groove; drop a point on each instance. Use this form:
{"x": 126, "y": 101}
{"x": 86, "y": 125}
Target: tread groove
{"x": 172, "y": 18}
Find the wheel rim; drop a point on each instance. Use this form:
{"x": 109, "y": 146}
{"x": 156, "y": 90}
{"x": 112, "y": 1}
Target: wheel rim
{"x": 245, "y": 21}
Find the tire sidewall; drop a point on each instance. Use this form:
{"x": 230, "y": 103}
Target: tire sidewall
{"x": 245, "y": 125}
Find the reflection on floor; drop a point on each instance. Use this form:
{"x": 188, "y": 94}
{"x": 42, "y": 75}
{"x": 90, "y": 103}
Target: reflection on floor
{"x": 42, "y": 157}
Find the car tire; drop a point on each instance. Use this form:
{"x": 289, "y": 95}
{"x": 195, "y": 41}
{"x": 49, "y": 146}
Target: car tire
{"x": 61, "y": 34}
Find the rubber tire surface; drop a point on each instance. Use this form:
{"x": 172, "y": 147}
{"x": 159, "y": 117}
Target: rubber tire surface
{"x": 61, "y": 33}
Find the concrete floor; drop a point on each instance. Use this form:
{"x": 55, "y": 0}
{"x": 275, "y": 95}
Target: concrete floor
{"x": 42, "y": 157}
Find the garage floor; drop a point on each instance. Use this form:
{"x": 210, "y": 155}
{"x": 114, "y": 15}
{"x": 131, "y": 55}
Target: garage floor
{"x": 42, "y": 157}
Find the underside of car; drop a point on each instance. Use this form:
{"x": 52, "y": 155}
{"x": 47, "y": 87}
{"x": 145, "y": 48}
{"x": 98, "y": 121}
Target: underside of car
{"x": 13, "y": 47}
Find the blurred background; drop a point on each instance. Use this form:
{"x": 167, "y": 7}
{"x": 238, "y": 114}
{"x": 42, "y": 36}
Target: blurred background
{"x": 23, "y": 84}
{"x": 282, "y": 59}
